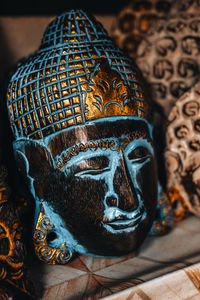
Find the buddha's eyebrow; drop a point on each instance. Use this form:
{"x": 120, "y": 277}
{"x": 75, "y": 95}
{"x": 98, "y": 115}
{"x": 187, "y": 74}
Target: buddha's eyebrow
{"x": 78, "y": 151}
{"x": 100, "y": 161}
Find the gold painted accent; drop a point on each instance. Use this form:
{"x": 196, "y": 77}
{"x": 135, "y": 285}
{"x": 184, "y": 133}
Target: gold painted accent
{"x": 3, "y": 195}
{"x": 10, "y": 236}
{"x": 175, "y": 198}
{"x": 108, "y": 95}
{"x": 43, "y": 251}
{"x": 11, "y": 271}
{"x": 3, "y": 273}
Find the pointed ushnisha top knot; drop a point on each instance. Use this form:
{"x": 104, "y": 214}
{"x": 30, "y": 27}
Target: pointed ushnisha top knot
{"x": 74, "y": 27}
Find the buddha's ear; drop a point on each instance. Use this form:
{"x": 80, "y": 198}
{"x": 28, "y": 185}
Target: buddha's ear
{"x": 32, "y": 157}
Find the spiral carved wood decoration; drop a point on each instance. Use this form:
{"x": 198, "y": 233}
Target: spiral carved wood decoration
{"x": 134, "y": 20}
{"x": 182, "y": 153}
{"x": 169, "y": 55}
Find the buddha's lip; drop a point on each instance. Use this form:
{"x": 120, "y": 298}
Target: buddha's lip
{"x": 124, "y": 221}
{"x": 120, "y": 224}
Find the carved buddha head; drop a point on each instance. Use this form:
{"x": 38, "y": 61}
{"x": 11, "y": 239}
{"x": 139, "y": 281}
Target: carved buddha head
{"x": 83, "y": 141}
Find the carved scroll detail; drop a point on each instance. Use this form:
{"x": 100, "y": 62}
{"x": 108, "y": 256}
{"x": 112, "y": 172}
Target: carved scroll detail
{"x": 44, "y": 252}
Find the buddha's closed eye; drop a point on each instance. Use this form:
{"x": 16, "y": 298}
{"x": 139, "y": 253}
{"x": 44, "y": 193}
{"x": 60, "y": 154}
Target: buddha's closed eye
{"x": 94, "y": 166}
{"x": 86, "y": 173}
{"x": 139, "y": 155}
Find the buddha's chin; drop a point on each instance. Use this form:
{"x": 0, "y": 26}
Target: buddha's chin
{"x": 120, "y": 239}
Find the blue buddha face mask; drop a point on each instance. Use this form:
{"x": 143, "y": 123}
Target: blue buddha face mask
{"x": 99, "y": 193}
{"x": 83, "y": 142}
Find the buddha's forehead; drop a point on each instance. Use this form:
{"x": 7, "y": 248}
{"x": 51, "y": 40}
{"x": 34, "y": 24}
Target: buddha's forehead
{"x": 107, "y": 129}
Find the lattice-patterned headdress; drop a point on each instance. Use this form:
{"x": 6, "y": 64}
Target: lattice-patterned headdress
{"x": 76, "y": 76}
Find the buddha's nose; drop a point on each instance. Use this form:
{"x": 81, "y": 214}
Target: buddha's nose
{"x": 122, "y": 192}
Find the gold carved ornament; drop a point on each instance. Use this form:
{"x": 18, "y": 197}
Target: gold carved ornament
{"x": 180, "y": 210}
{"x": 43, "y": 251}
{"x": 12, "y": 269}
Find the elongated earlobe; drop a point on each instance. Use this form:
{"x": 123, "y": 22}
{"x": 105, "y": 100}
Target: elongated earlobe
{"x": 43, "y": 234}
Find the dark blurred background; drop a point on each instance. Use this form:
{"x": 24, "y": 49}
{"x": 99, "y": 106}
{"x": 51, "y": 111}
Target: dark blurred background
{"x": 56, "y": 7}
{"x": 22, "y": 24}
